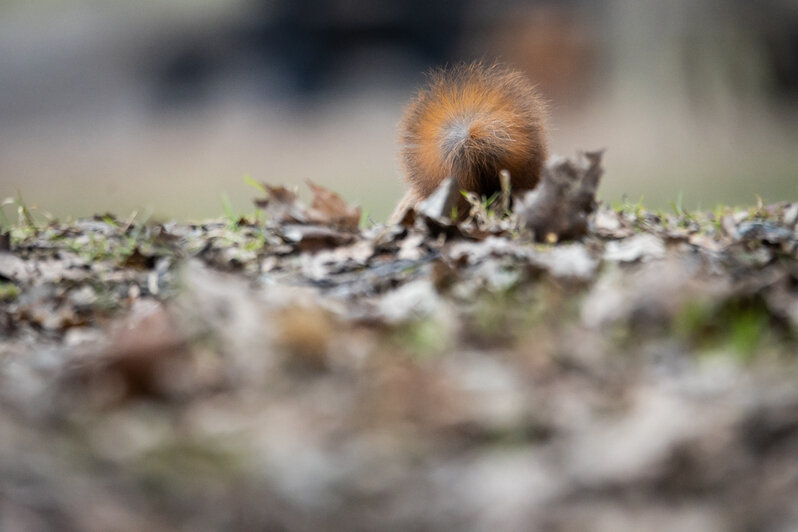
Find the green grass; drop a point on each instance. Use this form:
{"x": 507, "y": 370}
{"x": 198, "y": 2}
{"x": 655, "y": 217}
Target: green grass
{"x": 8, "y": 291}
{"x": 740, "y": 326}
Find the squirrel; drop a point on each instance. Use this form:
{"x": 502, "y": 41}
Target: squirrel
{"x": 471, "y": 122}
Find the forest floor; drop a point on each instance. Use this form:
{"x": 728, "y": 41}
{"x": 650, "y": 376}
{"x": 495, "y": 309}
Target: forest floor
{"x": 298, "y": 369}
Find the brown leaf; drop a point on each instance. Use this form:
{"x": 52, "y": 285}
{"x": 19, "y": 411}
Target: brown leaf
{"x": 315, "y": 237}
{"x": 144, "y": 351}
{"x": 282, "y": 206}
{"x": 407, "y": 218}
{"x": 139, "y": 261}
{"x": 305, "y": 334}
{"x": 329, "y": 208}
{"x": 558, "y": 208}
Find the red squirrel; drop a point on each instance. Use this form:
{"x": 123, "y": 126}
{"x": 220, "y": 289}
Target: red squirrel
{"x": 471, "y": 122}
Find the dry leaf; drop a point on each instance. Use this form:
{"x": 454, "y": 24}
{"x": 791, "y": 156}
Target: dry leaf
{"x": 561, "y": 203}
{"x": 282, "y": 206}
{"x": 329, "y": 208}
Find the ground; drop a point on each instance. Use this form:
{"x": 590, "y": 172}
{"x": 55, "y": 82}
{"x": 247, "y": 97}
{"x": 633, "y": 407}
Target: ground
{"x": 599, "y": 367}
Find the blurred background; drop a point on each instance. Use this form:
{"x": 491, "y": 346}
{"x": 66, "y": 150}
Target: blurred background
{"x": 118, "y": 105}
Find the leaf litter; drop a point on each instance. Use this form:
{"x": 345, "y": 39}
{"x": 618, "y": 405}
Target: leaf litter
{"x": 565, "y": 366}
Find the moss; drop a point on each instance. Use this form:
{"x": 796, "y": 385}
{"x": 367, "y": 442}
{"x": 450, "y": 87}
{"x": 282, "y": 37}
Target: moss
{"x": 422, "y": 338}
{"x": 177, "y": 465}
{"x": 738, "y": 325}
{"x": 8, "y": 291}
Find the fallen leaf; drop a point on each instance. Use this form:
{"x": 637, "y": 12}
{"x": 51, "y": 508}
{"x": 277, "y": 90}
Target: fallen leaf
{"x": 559, "y": 206}
{"x": 139, "y": 260}
{"x": 282, "y": 206}
{"x": 305, "y": 333}
{"x": 765, "y": 231}
{"x": 639, "y": 247}
{"x": 571, "y": 261}
{"x": 13, "y": 268}
{"x": 310, "y": 238}
{"x": 329, "y": 208}
{"x": 609, "y": 224}
{"x": 441, "y": 203}
{"x": 144, "y": 350}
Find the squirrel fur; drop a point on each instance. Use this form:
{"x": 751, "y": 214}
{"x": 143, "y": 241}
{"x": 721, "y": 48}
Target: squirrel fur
{"x": 471, "y": 122}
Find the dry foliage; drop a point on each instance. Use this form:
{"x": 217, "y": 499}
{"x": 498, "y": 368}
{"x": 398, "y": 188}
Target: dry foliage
{"x": 305, "y": 373}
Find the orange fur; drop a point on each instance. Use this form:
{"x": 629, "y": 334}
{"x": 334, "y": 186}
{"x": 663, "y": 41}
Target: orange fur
{"x": 471, "y": 122}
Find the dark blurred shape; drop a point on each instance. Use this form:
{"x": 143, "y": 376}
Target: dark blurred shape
{"x": 303, "y": 42}
{"x": 781, "y": 44}
{"x": 185, "y": 74}
{"x": 306, "y": 48}
{"x": 312, "y": 36}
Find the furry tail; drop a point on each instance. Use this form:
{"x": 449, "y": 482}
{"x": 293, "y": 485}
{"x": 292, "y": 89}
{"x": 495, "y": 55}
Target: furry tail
{"x": 478, "y": 142}
{"x": 471, "y": 122}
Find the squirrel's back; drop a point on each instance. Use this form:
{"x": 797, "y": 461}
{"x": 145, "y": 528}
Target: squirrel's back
{"x": 471, "y": 122}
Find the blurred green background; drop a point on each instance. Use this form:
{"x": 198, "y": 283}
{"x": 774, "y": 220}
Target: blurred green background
{"x": 115, "y": 105}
